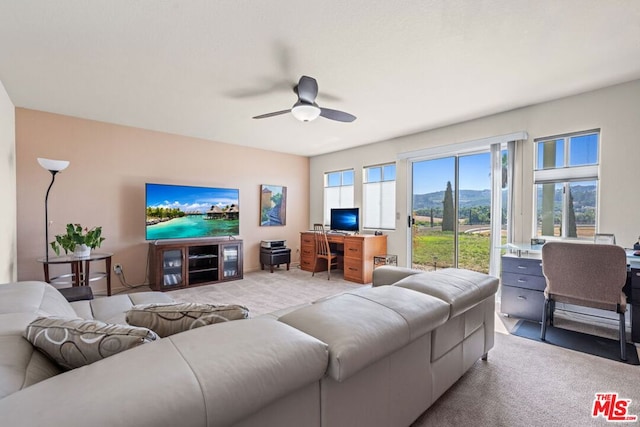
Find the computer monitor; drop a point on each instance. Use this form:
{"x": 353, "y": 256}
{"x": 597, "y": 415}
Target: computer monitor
{"x": 345, "y": 219}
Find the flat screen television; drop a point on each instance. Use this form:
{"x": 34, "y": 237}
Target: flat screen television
{"x": 345, "y": 219}
{"x": 186, "y": 212}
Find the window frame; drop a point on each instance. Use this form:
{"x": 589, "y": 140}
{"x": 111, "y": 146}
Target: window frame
{"x": 565, "y": 175}
{"x": 366, "y": 182}
{"x": 342, "y": 203}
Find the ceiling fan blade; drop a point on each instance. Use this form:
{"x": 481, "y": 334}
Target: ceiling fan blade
{"x": 307, "y": 89}
{"x": 340, "y": 116}
{"x": 275, "y": 113}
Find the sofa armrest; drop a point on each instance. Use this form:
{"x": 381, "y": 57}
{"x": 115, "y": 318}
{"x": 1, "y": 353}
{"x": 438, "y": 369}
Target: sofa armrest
{"x": 388, "y": 275}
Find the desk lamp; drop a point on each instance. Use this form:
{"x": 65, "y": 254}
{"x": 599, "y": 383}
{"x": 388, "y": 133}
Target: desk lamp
{"x": 53, "y": 166}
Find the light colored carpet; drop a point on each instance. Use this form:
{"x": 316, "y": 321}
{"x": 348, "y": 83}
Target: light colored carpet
{"x": 527, "y": 383}
{"x": 263, "y": 292}
{"x": 524, "y": 382}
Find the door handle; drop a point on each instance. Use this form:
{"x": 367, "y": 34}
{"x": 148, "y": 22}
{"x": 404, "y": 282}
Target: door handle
{"x": 410, "y": 221}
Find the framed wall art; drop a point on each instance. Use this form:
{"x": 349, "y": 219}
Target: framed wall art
{"x": 273, "y": 205}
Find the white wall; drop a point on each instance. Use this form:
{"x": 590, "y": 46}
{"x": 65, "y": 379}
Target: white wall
{"x": 614, "y": 110}
{"x": 8, "y": 246}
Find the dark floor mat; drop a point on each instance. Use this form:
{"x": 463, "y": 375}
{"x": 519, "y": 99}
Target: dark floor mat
{"x": 591, "y": 344}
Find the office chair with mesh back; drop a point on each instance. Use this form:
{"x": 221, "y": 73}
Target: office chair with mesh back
{"x": 590, "y": 275}
{"x": 323, "y": 250}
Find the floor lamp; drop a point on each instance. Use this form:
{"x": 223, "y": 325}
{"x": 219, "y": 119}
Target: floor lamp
{"x": 53, "y": 166}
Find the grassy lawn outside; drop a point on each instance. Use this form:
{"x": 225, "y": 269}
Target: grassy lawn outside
{"x": 430, "y": 243}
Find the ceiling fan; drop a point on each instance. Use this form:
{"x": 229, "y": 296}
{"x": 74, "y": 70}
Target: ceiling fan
{"x": 306, "y": 109}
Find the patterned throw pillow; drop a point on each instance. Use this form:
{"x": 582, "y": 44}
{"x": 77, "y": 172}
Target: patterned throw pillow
{"x": 77, "y": 342}
{"x": 170, "y": 318}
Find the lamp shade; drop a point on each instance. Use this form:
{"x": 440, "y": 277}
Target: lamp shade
{"x": 305, "y": 112}
{"x": 53, "y": 165}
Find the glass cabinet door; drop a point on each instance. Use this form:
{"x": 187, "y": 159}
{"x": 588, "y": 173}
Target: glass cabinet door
{"x": 172, "y": 263}
{"x": 231, "y": 266}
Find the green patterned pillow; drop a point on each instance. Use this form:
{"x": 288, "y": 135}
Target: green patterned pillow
{"x": 77, "y": 342}
{"x": 170, "y": 318}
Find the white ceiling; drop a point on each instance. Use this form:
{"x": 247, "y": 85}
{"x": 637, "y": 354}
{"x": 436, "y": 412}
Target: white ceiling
{"x": 203, "y": 68}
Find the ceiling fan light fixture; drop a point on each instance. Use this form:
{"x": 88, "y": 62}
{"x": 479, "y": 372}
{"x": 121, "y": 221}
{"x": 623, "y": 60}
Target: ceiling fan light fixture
{"x": 305, "y": 112}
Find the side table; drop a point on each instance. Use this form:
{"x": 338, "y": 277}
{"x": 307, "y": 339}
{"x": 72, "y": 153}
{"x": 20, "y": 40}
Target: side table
{"x": 81, "y": 274}
{"x": 273, "y": 257}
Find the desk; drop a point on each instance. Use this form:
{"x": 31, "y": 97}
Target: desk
{"x": 633, "y": 300}
{"x": 355, "y": 254}
{"x": 80, "y": 270}
{"x": 523, "y": 285}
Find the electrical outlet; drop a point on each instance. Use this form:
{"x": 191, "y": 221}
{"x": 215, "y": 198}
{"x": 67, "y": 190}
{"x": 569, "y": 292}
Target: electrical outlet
{"x": 117, "y": 269}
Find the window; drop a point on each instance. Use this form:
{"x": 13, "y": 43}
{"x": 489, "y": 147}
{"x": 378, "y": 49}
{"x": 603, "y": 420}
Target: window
{"x": 566, "y": 185}
{"x": 338, "y": 191}
{"x": 379, "y": 193}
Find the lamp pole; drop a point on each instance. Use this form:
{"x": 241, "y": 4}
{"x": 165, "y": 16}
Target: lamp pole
{"x": 46, "y": 216}
{"x": 53, "y": 166}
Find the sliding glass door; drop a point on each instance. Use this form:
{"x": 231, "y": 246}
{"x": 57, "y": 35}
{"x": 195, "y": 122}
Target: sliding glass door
{"x": 433, "y": 231}
{"x": 451, "y": 212}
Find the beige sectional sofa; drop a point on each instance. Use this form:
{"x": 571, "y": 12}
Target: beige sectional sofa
{"x": 378, "y": 356}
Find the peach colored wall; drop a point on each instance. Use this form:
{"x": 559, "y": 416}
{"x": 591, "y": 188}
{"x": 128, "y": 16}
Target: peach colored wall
{"x": 104, "y": 185}
{"x": 8, "y": 264}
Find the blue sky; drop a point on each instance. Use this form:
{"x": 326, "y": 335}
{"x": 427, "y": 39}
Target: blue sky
{"x": 432, "y": 175}
{"x": 189, "y": 198}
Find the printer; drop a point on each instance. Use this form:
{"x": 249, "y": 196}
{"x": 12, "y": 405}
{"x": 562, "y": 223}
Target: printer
{"x": 272, "y": 244}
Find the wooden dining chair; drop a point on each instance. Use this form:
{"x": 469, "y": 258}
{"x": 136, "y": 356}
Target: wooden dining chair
{"x": 323, "y": 250}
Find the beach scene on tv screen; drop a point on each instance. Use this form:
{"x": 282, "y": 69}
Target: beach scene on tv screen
{"x": 183, "y": 212}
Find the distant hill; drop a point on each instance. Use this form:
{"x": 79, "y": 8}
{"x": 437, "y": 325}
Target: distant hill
{"x": 467, "y": 198}
{"x": 584, "y": 197}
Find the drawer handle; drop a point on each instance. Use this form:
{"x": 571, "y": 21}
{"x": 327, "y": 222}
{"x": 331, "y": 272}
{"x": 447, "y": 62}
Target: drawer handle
{"x": 353, "y": 269}
{"x": 522, "y": 297}
{"x": 522, "y": 281}
{"x": 352, "y": 249}
{"x": 522, "y": 267}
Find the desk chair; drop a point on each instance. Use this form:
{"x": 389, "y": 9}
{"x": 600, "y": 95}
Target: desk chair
{"x": 323, "y": 250}
{"x": 590, "y": 275}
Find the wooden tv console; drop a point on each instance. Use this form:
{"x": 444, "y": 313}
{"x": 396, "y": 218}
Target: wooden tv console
{"x": 355, "y": 254}
{"x": 186, "y": 263}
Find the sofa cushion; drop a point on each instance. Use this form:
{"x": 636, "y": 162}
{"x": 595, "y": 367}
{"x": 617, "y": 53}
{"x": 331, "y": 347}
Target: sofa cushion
{"x": 462, "y": 289}
{"x": 388, "y": 275}
{"x": 208, "y": 376}
{"x": 22, "y": 365}
{"x": 113, "y": 308}
{"x": 77, "y": 342}
{"x": 22, "y": 302}
{"x": 169, "y": 319}
{"x": 364, "y": 326}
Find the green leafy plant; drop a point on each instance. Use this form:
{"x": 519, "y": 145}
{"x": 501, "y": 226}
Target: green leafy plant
{"x": 76, "y": 235}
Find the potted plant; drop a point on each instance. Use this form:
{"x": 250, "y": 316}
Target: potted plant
{"x": 78, "y": 240}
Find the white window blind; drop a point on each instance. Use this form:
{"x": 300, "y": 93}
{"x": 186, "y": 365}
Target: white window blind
{"x": 379, "y": 195}
{"x": 338, "y": 192}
